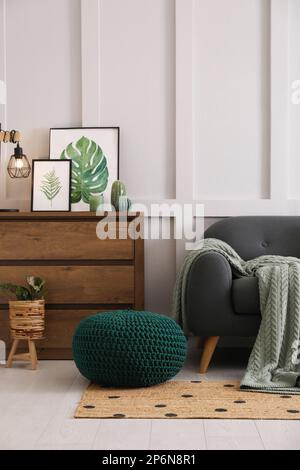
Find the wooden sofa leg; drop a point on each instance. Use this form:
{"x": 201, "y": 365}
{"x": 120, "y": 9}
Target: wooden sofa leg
{"x": 209, "y": 347}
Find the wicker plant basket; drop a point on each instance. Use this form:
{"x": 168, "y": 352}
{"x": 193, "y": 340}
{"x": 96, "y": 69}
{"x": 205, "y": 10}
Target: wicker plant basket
{"x": 27, "y": 319}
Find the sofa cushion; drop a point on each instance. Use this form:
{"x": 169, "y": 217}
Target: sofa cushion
{"x": 245, "y": 296}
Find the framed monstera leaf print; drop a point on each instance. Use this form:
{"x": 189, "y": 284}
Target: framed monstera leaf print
{"x": 94, "y": 156}
{"x": 51, "y": 185}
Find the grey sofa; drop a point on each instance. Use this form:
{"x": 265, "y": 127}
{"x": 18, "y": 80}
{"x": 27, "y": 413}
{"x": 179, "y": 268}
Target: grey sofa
{"x": 218, "y": 303}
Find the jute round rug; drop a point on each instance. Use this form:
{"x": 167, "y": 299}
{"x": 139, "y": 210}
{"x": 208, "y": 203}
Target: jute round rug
{"x": 186, "y": 400}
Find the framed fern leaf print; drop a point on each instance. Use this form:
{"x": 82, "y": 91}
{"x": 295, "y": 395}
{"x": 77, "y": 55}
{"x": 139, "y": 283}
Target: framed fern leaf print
{"x": 51, "y": 185}
{"x": 94, "y": 153}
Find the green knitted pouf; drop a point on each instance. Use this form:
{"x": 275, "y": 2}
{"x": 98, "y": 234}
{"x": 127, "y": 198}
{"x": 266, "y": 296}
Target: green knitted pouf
{"x": 129, "y": 349}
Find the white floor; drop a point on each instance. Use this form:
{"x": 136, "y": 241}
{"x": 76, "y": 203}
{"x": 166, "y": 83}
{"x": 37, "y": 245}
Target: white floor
{"x": 36, "y": 410}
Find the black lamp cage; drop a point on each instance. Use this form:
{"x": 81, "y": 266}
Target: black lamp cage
{"x": 18, "y": 165}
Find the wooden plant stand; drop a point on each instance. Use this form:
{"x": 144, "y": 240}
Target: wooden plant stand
{"x": 30, "y": 356}
{"x": 27, "y": 323}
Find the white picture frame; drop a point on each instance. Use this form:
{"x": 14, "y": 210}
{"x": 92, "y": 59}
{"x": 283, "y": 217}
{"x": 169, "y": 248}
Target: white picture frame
{"x": 99, "y": 146}
{"x": 51, "y": 186}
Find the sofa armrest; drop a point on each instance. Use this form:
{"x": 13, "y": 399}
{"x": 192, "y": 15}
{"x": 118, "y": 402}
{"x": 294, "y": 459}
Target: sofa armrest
{"x": 209, "y": 308}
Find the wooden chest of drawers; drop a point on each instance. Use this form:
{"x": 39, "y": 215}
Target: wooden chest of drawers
{"x": 84, "y": 275}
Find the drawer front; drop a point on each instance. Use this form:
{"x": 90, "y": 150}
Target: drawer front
{"x": 77, "y": 284}
{"x": 60, "y": 326}
{"x": 61, "y": 241}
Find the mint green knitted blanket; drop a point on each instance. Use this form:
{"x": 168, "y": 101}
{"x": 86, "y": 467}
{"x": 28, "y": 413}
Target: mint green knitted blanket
{"x": 274, "y": 363}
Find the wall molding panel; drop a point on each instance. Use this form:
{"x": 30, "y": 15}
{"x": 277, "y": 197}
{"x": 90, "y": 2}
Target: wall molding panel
{"x": 185, "y": 144}
{"x": 279, "y": 99}
{"x": 277, "y": 203}
{"x": 185, "y": 117}
{"x": 5, "y": 201}
{"x": 90, "y": 62}
{"x": 3, "y": 172}
{"x": 48, "y": 92}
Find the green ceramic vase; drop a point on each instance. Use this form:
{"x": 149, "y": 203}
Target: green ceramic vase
{"x": 118, "y": 190}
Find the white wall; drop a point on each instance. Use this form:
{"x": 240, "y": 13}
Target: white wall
{"x": 200, "y": 89}
{"x": 294, "y": 75}
{"x": 43, "y": 71}
{"x": 232, "y": 93}
{"x": 43, "y": 74}
{"x": 137, "y": 90}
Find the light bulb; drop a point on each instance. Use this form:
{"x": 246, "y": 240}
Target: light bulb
{"x": 19, "y": 163}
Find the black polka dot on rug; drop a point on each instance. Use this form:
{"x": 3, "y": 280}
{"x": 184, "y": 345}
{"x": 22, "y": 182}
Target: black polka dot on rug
{"x": 89, "y": 407}
{"x": 239, "y": 401}
{"x": 196, "y": 381}
{"x": 187, "y": 396}
{"x": 113, "y": 397}
{"x": 228, "y": 386}
{"x": 171, "y": 415}
{"x": 119, "y": 415}
{"x": 160, "y": 406}
{"x": 285, "y": 396}
{"x": 221, "y": 410}
{"x": 293, "y": 411}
